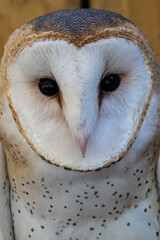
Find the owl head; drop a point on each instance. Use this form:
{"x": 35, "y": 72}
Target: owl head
{"x": 78, "y": 84}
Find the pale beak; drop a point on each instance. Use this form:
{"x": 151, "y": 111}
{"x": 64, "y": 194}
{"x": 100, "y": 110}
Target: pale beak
{"x": 83, "y": 145}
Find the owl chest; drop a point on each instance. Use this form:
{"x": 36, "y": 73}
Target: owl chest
{"x": 53, "y": 203}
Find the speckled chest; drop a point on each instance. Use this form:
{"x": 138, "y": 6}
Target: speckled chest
{"x": 51, "y": 202}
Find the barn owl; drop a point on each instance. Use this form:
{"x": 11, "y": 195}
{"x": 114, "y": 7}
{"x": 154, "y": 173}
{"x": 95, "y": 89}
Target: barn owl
{"x": 79, "y": 130}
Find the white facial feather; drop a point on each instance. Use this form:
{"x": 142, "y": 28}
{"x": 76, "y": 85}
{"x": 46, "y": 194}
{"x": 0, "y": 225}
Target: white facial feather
{"x": 78, "y": 74}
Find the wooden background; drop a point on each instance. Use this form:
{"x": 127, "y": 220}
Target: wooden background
{"x": 144, "y": 13}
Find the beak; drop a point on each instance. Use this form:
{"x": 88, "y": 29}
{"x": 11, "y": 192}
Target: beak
{"x": 83, "y": 144}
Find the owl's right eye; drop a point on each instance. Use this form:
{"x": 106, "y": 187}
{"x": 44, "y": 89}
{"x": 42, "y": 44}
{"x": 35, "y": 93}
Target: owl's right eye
{"x": 48, "y": 86}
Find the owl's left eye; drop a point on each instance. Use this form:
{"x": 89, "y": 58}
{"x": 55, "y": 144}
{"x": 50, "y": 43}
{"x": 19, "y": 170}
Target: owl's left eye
{"x": 48, "y": 86}
{"x": 110, "y": 83}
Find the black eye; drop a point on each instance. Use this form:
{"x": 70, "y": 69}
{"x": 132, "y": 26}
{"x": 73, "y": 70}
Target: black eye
{"x": 110, "y": 83}
{"x": 48, "y": 86}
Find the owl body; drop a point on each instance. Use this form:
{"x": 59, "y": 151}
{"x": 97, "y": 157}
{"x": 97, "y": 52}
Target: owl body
{"x": 82, "y": 162}
{"x": 65, "y": 204}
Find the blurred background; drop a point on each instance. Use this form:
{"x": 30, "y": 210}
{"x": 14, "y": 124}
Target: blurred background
{"x": 144, "y": 13}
